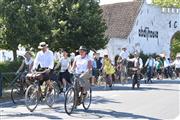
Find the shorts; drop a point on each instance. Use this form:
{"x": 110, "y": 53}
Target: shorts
{"x": 64, "y": 75}
{"x": 94, "y": 72}
{"x": 177, "y": 70}
{"x": 45, "y": 76}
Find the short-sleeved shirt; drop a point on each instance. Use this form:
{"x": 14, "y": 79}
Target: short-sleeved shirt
{"x": 81, "y": 64}
{"x": 158, "y": 64}
{"x": 28, "y": 62}
{"x": 64, "y": 62}
{"x": 176, "y": 63}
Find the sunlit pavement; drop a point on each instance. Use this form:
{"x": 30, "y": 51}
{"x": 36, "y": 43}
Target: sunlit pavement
{"x": 159, "y": 100}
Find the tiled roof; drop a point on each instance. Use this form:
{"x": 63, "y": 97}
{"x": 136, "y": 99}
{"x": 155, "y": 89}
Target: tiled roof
{"x": 120, "y": 18}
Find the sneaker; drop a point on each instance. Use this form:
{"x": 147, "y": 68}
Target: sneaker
{"x": 64, "y": 89}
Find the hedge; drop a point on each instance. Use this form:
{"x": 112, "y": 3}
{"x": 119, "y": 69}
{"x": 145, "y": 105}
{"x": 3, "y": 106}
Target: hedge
{"x": 6, "y": 67}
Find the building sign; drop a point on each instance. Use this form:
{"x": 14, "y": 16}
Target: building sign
{"x": 173, "y": 24}
{"x": 147, "y": 33}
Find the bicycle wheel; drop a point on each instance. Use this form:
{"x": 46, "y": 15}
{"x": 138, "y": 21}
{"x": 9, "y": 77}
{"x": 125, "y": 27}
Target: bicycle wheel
{"x": 50, "y": 96}
{"x": 32, "y": 97}
{"x": 56, "y": 88}
{"x": 69, "y": 100}
{"x": 87, "y": 99}
{"x": 174, "y": 76}
{"x": 17, "y": 92}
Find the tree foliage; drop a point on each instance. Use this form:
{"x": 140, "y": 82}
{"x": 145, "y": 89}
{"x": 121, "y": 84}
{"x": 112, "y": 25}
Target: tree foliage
{"x": 168, "y": 3}
{"x": 61, "y": 23}
{"x": 176, "y": 44}
{"x": 77, "y": 22}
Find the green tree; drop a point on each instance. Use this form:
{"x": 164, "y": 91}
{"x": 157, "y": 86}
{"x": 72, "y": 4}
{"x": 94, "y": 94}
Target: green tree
{"x": 175, "y": 45}
{"x": 23, "y": 22}
{"x": 167, "y": 3}
{"x": 77, "y": 22}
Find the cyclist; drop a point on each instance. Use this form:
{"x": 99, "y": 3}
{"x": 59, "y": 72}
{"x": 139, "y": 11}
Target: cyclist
{"x": 138, "y": 64}
{"x": 176, "y": 63}
{"x": 26, "y": 64}
{"x": 167, "y": 67}
{"x": 26, "y": 67}
{"x": 159, "y": 65}
{"x": 150, "y": 64}
{"x": 83, "y": 68}
{"x": 45, "y": 61}
{"x": 108, "y": 69}
{"x": 64, "y": 75}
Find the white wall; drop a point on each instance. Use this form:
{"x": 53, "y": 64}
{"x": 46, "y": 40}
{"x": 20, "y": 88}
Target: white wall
{"x": 157, "y": 20}
{"x": 153, "y": 17}
{"x": 114, "y": 46}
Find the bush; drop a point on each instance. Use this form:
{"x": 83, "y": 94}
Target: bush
{"x": 6, "y": 67}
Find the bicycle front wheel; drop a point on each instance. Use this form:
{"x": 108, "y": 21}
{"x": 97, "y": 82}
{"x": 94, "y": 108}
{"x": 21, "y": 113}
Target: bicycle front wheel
{"x": 87, "y": 99}
{"x": 50, "y": 96}
{"x": 69, "y": 100}
{"x": 17, "y": 93}
{"x": 32, "y": 97}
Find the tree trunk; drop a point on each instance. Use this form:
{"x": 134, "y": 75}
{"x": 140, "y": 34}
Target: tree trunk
{"x": 14, "y": 55}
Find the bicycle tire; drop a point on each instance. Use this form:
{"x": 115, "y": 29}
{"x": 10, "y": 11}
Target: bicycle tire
{"x": 37, "y": 97}
{"x": 17, "y": 93}
{"x": 90, "y": 99}
{"x": 52, "y": 97}
{"x": 71, "y": 89}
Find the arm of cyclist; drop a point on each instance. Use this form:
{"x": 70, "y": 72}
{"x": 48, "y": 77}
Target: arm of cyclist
{"x": 57, "y": 66}
{"x": 21, "y": 67}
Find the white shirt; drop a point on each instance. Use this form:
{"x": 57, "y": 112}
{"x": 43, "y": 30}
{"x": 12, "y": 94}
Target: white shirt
{"x": 45, "y": 60}
{"x": 124, "y": 54}
{"x": 136, "y": 62}
{"x": 176, "y": 63}
{"x": 28, "y": 62}
{"x": 166, "y": 63}
{"x": 64, "y": 62}
{"x": 150, "y": 62}
{"x": 81, "y": 64}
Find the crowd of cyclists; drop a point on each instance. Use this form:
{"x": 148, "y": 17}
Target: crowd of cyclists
{"x": 96, "y": 70}
{"x": 93, "y": 67}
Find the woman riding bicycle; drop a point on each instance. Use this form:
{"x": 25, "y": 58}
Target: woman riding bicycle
{"x": 83, "y": 68}
{"x": 26, "y": 64}
{"x": 64, "y": 75}
{"x": 25, "y": 67}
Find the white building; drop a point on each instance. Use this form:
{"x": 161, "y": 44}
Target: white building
{"x": 140, "y": 26}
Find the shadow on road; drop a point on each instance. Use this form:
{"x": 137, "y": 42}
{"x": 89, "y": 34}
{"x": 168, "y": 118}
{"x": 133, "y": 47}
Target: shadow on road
{"x": 143, "y": 87}
{"x": 166, "y": 81}
{"x": 22, "y": 115}
{"x": 111, "y": 114}
{"x": 102, "y": 100}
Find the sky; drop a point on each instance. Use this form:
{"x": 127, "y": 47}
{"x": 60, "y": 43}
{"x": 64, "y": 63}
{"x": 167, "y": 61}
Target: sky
{"x": 102, "y": 2}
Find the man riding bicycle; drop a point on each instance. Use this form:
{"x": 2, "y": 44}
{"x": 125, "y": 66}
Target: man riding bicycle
{"x": 45, "y": 60}
{"x": 83, "y": 68}
{"x": 138, "y": 65}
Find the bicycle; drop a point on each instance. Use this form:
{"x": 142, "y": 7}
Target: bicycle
{"x": 37, "y": 93}
{"x": 18, "y": 87}
{"x": 74, "y": 97}
{"x": 58, "y": 85}
{"x": 136, "y": 78}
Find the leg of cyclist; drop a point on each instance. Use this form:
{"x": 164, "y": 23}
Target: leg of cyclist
{"x": 64, "y": 84}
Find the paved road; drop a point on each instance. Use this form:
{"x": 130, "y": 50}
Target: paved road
{"x": 159, "y": 100}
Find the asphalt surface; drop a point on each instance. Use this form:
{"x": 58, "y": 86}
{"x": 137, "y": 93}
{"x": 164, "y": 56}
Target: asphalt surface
{"x": 159, "y": 100}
